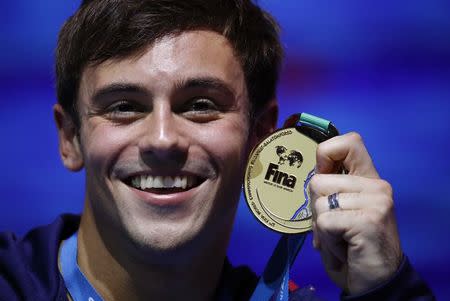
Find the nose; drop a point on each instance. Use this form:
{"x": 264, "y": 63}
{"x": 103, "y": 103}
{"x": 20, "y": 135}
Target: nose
{"x": 161, "y": 138}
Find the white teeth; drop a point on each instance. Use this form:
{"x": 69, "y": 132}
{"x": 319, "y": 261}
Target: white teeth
{"x": 183, "y": 182}
{"x": 177, "y": 182}
{"x": 149, "y": 182}
{"x": 157, "y": 182}
{"x": 144, "y": 182}
{"x": 168, "y": 182}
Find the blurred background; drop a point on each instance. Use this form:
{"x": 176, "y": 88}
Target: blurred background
{"x": 381, "y": 68}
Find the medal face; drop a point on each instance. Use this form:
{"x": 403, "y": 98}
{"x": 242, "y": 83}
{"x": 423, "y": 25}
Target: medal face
{"x": 276, "y": 181}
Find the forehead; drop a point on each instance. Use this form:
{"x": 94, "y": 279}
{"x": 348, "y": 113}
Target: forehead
{"x": 169, "y": 60}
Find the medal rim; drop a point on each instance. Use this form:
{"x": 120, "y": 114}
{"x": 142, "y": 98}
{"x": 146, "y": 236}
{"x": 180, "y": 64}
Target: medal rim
{"x": 294, "y": 230}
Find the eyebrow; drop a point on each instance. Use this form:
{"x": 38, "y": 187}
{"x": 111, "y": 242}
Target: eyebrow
{"x": 116, "y": 88}
{"x": 205, "y": 83}
{"x": 191, "y": 83}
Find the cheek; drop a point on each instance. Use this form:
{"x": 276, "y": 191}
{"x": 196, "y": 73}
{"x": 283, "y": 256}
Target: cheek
{"x": 103, "y": 143}
{"x": 227, "y": 144}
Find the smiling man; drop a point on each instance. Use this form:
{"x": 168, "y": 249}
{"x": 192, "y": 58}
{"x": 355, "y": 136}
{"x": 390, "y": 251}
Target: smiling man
{"x": 162, "y": 137}
{"x": 161, "y": 102}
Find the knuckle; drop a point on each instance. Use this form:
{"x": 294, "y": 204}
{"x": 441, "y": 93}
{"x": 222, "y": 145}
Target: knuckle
{"x": 384, "y": 187}
{"x": 386, "y": 205}
{"x": 381, "y": 216}
{"x": 322, "y": 149}
{"x": 376, "y": 218}
{"x": 355, "y": 137}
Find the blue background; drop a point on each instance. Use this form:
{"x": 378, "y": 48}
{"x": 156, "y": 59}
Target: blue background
{"x": 381, "y": 68}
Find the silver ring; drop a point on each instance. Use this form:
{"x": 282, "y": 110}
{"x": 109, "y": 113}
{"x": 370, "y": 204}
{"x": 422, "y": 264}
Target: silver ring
{"x": 333, "y": 201}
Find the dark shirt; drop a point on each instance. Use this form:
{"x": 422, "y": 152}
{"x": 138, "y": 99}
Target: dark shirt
{"x": 29, "y": 271}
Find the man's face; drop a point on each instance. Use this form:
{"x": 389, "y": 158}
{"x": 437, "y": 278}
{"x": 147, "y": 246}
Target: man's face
{"x": 163, "y": 138}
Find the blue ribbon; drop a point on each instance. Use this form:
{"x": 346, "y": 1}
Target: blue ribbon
{"x": 78, "y": 286}
{"x": 274, "y": 281}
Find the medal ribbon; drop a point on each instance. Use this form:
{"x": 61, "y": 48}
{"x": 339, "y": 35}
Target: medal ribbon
{"x": 321, "y": 124}
{"x": 274, "y": 282}
{"x": 78, "y": 286}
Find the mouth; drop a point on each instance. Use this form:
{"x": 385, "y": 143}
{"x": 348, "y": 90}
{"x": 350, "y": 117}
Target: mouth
{"x": 164, "y": 184}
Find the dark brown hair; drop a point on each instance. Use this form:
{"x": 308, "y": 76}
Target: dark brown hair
{"x": 104, "y": 29}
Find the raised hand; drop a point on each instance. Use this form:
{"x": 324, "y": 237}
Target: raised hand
{"x": 358, "y": 241}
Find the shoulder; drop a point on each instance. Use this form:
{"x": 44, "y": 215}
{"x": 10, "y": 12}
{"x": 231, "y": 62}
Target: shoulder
{"x": 28, "y": 265}
{"x": 236, "y": 283}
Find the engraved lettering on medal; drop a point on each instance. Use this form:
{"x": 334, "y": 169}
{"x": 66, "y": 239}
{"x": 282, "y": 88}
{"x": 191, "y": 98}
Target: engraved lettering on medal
{"x": 249, "y": 190}
{"x": 279, "y": 177}
{"x": 262, "y": 216}
{"x": 256, "y": 208}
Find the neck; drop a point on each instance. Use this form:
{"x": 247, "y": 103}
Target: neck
{"x": 117, "y": 276}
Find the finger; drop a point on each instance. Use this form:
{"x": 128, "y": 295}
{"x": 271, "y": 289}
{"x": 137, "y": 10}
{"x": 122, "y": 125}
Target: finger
{"x": 348, "y": 151}
{"x": 333, "y": 248}
{"x": 354, "y": 201}
{"x": 333, "y": 251}
{"x": 347, "y": 201}
{"x": 316, "y": 239}
{"x": 326, "y": 184}
{"x": 335, "y": 265}
{"x": 336, "y": 223}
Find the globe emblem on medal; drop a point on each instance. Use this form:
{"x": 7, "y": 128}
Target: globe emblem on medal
{"x": 291, "y": 156}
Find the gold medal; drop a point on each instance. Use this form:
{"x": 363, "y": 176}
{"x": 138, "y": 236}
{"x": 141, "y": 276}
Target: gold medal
{"x": 277, "y": 177}
{"x": 275, "y": 182}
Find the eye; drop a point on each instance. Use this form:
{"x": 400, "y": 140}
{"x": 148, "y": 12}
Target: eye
{"x": 124, "y": 110}
{"x": 202, "y": 105}
{"x": 201, "y": 109}
{"x": 122, "y": 107}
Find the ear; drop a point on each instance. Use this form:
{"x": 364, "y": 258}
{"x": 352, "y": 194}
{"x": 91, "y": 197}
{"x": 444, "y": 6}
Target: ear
{"x": 69, "y": 144}
{"x": 265, "y": 122}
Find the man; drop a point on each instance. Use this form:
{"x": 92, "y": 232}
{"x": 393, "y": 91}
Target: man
{"x": 161, "y": 102}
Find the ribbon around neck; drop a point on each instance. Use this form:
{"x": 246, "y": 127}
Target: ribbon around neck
{"x": 76, "y": 283}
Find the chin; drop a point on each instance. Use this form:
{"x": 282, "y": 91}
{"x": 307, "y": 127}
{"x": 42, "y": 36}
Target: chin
{"x": 166, "y": 241}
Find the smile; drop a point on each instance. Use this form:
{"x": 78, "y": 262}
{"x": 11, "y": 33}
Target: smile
{"x": 163, "y": 184}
